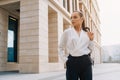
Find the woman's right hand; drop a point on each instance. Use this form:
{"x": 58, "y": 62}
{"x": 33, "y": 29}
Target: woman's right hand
{"x": 90, "y": 35}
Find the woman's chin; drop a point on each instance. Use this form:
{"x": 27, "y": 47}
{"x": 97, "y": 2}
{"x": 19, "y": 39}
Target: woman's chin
{"x": 73, "y": 24}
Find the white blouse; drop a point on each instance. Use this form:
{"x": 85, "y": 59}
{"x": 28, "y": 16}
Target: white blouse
{"x": 72, "y": 43}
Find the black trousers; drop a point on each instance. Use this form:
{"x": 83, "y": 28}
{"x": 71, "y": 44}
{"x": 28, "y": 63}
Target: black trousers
{"x": 78, "y": 68}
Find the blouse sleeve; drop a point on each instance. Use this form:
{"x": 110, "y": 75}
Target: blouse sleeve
{"x": 62, "y": 46}
{"x": 91, "y": 46}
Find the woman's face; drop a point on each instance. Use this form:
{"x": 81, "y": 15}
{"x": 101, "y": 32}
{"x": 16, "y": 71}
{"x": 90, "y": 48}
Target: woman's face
{"x": 76, "y": 19}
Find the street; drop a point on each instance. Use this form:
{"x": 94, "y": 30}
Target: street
{"x": 106, "y": 71}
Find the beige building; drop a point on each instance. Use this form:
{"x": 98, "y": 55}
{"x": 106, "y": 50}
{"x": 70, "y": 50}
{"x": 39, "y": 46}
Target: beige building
{"x": 31, "y": 29}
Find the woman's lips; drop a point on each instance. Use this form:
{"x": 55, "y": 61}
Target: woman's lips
{"x": 73, "y": 22}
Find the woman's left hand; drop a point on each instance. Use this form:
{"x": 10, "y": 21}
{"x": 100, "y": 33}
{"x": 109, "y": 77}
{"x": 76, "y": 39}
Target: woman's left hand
{"x": 90, "y": 35}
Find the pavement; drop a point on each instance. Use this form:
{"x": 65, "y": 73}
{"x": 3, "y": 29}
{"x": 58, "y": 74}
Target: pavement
{"x": 109, "y": 71}
{"x": 104, "y": 71}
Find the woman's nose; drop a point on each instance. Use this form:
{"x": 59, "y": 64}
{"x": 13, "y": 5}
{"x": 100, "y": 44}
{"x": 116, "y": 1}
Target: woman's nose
{"x": 72, "y": 19}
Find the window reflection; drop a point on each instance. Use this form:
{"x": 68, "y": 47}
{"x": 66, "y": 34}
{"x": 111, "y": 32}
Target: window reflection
{"x": 10, "y": 38}
{"x": 10, "y": 46}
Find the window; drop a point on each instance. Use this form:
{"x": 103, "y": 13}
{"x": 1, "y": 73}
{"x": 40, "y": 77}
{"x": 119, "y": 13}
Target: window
{"x": 12, "y": 39}
{"x": 73, "y": 5}
{"x": 68, "y": 5}
{"x": 64, "y": 3}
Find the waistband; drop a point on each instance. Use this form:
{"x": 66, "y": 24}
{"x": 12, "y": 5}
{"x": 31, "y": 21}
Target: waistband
{"x": 70, "y": 56}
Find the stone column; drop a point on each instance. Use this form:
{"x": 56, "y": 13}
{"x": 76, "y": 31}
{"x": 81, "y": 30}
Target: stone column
{"x": 60, "y": 29}
{"x": 43, "y": 36}
{"x": 3, "y": 39}
{"x": 71, "y": 9}
{"x": 29, "y": 36}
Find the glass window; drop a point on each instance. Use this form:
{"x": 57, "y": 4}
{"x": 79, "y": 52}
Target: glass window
{"x": 68, "y": 5}
{"x": 64, "y": 3}
{"x": 73, "y": 5}
{"x": 12, "y": 40}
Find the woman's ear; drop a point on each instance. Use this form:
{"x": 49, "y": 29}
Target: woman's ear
{"x": 82, "y": 19}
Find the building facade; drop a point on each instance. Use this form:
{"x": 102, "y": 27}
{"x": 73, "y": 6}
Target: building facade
{"x": 30, "y": 31}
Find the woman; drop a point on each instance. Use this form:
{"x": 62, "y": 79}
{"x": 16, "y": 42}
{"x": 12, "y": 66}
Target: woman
{"x": 75, "y": 45}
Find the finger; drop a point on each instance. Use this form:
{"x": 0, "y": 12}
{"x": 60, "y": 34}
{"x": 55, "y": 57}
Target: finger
{"x": 91, "y": 33}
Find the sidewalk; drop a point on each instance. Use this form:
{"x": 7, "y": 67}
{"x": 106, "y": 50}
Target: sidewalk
{"x": 108, "y": 71}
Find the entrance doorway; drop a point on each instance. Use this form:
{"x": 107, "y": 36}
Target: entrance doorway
{"x": 12, "y": 39}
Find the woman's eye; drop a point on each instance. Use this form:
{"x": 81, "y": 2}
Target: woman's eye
{"x": 75, "y": 17}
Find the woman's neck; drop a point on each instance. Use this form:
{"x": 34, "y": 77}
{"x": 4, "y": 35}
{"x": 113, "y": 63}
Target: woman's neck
{"x": 78, "y": 28}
